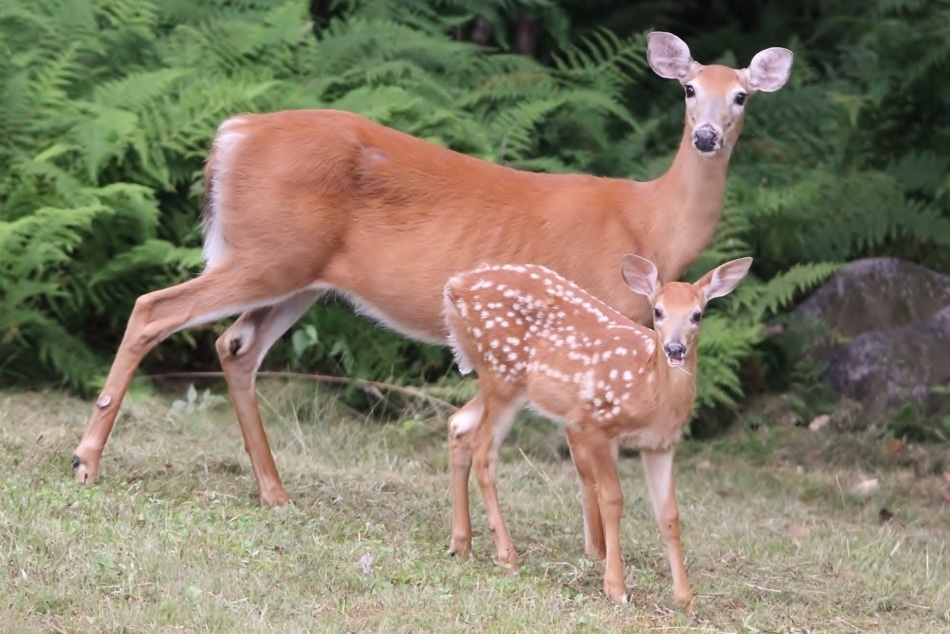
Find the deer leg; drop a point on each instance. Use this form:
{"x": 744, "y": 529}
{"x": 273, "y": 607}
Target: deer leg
{"x": 594, "y": 545}
{"x": 241, "y": 349}
{"x": 602, "y": 455}
{"x": 461, "y": 424}
{"x": 658, "y": 467}
{"x": 217, "y": 293}
{"x": 497, "y": 419}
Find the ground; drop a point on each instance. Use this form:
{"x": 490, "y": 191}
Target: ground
{"x": 172, "y": 538}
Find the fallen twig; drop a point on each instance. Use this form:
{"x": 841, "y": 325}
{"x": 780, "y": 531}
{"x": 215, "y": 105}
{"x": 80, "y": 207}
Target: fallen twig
{"x": 752, "y": 585}
{"x": 370, "y": 387}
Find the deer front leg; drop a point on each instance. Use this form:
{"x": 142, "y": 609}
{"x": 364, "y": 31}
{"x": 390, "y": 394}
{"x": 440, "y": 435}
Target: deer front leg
{"x": 658, "y": 467}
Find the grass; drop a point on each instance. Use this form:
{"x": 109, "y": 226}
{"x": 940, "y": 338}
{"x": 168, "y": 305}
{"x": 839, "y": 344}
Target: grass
{"x": 173, "y": 539}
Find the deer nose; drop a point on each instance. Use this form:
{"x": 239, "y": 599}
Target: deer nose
{"x": 705, "y": 139}
{"x": 675, "y": 350}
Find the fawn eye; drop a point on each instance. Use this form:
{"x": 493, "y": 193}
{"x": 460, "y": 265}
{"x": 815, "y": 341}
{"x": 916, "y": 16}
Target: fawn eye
{"x": 697, "y": 316}
{"x": 740, "y": 98}
{"x": 690, "y": 91}
{"x": 658, "y": 313}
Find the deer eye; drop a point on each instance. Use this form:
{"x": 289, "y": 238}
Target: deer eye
{"x": 690, "y": 91}
{"x": 658, "y": 313}
{"x": 740, "y": 98}
{"x": 697, "y": 316}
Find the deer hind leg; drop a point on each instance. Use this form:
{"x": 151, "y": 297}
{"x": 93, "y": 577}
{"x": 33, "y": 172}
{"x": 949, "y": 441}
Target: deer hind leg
{"x": 658, "y": 467}
{"x": 594, "y": 545}
{"x": 461, "y": 424}
{"x": 241, "y": 349}
{"x": 217, "y": 293}
{"x": 598, "y": 456}
{"x": 497, "y": 418}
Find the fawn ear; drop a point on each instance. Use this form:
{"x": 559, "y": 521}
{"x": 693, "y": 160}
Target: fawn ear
{"x": 724, "y": 278}
{"x": 668, "y": 56}
{"x": 640, "y": 274}
{"x": 769, "y": 69}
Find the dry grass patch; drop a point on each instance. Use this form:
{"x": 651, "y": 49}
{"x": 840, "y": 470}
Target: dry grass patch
{"x": 173, "y": 539}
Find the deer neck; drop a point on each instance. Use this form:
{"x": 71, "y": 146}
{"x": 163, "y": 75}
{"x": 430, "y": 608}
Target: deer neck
{"x": 676, "y": 386}
{"x": 689, "y": 199}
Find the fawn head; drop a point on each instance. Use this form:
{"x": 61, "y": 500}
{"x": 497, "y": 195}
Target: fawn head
{"x": 678, "y": 306}
{"x": 716, "y": 95}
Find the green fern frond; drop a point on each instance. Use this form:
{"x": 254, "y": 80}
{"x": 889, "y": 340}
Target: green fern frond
{"x": 782, "y": 289}
{"x": 604, "y": 60}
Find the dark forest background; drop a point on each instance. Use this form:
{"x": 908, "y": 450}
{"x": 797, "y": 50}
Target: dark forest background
{"x": 107, "y": 108}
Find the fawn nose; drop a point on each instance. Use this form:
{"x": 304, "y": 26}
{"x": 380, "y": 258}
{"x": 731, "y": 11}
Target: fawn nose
{"x": 706, "y": 139}
{"x": 675, "y": 350}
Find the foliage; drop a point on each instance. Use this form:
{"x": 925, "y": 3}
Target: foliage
{"x": 107, "y": 108}
{"x": 107, "y": 135}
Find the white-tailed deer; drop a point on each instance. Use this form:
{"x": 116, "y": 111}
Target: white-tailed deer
{"x": 299, "y": 203}
{"x": 537, "y": 339}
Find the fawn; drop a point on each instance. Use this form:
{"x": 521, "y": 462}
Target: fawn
{"x": 536, "y": 338}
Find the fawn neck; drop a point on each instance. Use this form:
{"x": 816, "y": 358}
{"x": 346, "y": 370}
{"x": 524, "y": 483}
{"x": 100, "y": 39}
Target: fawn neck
{"x": 675, "y": 387}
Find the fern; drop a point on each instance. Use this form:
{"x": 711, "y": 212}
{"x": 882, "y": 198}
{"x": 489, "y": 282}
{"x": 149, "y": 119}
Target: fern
{"x": 107, "y": 108}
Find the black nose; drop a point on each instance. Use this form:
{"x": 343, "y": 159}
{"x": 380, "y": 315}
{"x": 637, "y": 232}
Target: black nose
{"x": 704, "y": 139}
{"x": 675, "y": 350}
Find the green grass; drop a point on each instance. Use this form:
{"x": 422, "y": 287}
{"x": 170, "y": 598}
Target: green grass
{"x": 173, "y": 539}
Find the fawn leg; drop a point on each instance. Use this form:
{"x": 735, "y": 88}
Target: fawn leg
{"x": 658, "y": 467}
{"x": 461, "y": 424}
{"x": 594, "y": 452}
{"x": 497, "y": 418}
{"x": 594, "y": 546}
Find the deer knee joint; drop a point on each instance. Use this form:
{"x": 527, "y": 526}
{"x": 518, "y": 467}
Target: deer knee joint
{"x": 235, "y": 341}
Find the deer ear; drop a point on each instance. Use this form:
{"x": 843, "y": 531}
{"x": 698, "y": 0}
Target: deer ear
{"x": 668, "y": 56}
{"x": 640, "y": 274}
{"x": 769, "y": 69}
{"x": 723, "y": 279}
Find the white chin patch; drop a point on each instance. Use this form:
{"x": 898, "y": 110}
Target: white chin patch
{"x": 674, "y": 363}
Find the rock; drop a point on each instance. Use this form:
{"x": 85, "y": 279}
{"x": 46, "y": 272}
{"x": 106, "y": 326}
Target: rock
{"x": 885, "y": 369}
{"x": 875, "y": 294}
{"x": 883, "y": 335}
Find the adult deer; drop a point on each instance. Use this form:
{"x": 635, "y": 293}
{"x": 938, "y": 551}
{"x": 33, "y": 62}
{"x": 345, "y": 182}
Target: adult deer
{"x": 299, "y": 203}
{"x": 535, "y": 338}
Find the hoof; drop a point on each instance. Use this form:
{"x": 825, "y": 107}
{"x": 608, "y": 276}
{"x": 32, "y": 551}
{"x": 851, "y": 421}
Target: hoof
{"x": 276, "y": 498}
{"x": 460, "y": 550}
{"x": 81, "y": 471}
{"x": 508, "y": 561}
{"x": 683, "y": 599}
{"x": 617, "y": 596}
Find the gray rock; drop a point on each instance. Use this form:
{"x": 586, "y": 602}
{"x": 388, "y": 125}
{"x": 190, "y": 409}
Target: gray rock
{"x": 883, "y": 370}
{"x": 875, "y": 294}
{"x": 883, "y": 335}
